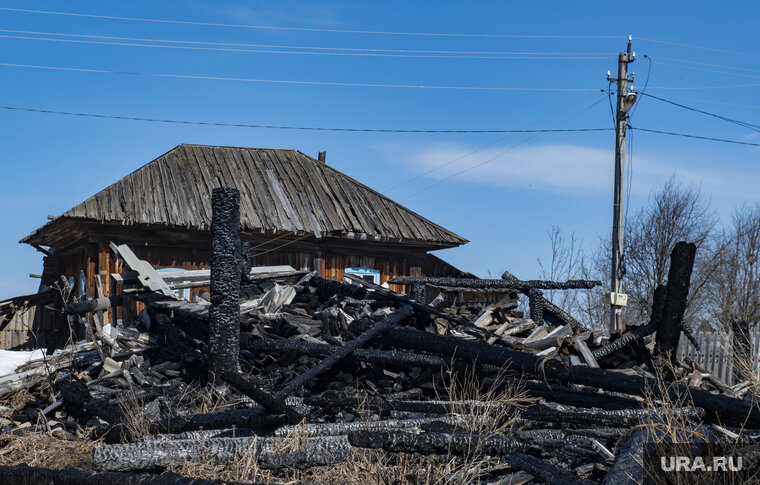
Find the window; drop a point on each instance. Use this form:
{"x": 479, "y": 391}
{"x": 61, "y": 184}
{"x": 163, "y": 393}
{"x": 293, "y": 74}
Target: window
{"x": 367, "y": 274}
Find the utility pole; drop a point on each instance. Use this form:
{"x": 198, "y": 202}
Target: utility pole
{"x": 625, "y": 102}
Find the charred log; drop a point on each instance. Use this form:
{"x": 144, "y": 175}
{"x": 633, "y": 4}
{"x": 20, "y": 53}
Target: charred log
{"x": 679, "y": 276}
{"x": 224, "y": 313}
{"x": 29, "y": 475}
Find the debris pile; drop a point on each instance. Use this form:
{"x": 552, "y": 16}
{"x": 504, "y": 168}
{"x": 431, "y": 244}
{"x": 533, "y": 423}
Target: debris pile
{"x": 325, "y": 372}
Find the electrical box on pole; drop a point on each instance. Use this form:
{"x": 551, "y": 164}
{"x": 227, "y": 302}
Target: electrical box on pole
{"x": 625, "y": 102}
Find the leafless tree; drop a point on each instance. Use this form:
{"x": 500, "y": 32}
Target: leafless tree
{"x": 735, "y": 288}
{"x": 568, "y": 262}
{"x": 675, "y": 212}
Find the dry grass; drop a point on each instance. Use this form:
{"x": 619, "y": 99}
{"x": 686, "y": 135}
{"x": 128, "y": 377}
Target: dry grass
{"x": 44, "y": 450}
{"x": 194, "y": 399}
{"x": 372, "y": 467}
{"x": 673, "y": 431}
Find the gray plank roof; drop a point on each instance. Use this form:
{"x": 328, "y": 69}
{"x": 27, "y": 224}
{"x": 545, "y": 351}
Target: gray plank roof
{"x": 281, "y": 191}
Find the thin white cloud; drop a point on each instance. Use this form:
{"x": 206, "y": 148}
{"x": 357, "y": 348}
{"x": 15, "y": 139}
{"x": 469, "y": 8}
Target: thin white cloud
{"x": 564, "y": 168}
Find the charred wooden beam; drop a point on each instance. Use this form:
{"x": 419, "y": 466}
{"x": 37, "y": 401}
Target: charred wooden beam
{"x": 343, "y": 352}
{"x": 249, "y": 418}
{"x": 548, "y": 473}
{"x": 436, "y": 443}
{"x": 519, "y": 285}
{"x": 399, "y": 298}
{"x": 731, "y": 411}
{"x": 628, "y": 468}
{"x": 159, "y": 454}
{"x": 268, "y": 401}
{"x": 31, "y": 475}
{"x": 224, "y": 313}
{"x": 536, "y": 303}
{"x": 88, "y": 306}
{"x": 679, "y": 276}
{"x": 174, "y": 338}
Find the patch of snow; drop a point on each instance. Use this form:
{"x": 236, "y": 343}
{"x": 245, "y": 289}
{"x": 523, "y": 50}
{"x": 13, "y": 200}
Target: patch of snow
{"x": 10, "y": 360}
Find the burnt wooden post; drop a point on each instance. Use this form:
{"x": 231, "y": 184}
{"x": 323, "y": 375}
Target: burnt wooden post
{"x": 679, "y": 276}
{"x": 417, "y": 292}
{"x": 742, "y": 350}
{"x": 224, "y": 313}
{"x": 536, "y": 301}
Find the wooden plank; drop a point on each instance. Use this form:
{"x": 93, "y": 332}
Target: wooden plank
{"x": 250, "y": 216}
{"x": 324, "y": 207}
{"x": 580, "y": 344}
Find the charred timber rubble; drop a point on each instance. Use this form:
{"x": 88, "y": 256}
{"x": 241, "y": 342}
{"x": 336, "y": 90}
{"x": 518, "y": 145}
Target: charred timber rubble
{"x": 296, "y": 371}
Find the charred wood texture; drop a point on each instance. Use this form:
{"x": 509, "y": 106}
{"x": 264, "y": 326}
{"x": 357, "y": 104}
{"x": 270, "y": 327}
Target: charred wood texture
{"x": 253, "y": 418}
{"x": 388, "y": 357}
{"x": 731, "y": 411}
{"x": 513, "y": 284}
{"x": 159, "y": 454}
{"x": 332, "y": 429}
{"x": 628, "y": 466}
{"x": 174, "y": 338}
{"x": 29, "y": 475}
{"x": 267, "y": 400}
{"x": 77, "y": 399}
{"x": 343, "y": 352}
{"x": 435, "y": 443}
{"x": 536, "y": 303}
{"x": 92, "y": 305}
{"x": 549, "y": 474}
{"x": 224, "y": 313}
{"x": 679, "y": 276}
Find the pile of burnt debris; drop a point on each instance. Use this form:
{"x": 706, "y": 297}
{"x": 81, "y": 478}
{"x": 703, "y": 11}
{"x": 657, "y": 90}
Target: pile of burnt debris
{"x": 300, "y": 372}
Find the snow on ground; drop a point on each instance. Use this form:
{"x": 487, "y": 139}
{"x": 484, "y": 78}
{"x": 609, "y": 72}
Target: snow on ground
{"x": 11, "y": 359}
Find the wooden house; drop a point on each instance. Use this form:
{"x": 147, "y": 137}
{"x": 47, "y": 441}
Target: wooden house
{"x": 294, "y": 209}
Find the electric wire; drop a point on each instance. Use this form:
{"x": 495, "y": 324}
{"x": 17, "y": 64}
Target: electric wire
{"x": 307, "y": 29}
{"x": 704, "y": 69}
{"x": 712, "y": 101}
{"x": 279, "y": 127}
{"x": 690, "y": 46}
{"x": 353, "y": 50}
{"x": 297, "y": 82}
{"x": 743, "y": 124}
{"x": 312, "y": 53}
{"x": 686, "y": 135}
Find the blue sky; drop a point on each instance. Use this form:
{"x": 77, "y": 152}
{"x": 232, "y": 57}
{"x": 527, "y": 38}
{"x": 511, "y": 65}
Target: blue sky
{"x": 504, "y": 207}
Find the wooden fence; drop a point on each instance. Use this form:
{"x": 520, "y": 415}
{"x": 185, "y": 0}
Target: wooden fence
{"x": 716, "y": 350}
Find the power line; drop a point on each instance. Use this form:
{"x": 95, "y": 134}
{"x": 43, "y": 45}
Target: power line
{"x": 714, "y": 115}
{"x": 712, "y": 101}
{"x": 696, "y": 136}
{"x": 278, "y": 127}
{"x": 699, "y": 88}
{"x": 436, "y": 53}
{"x": 722, "y": 66}
{"x": 704, "y": 69}
{"x": 690, "y": 46}
{"x": 313, "y": 83}
{"x": 311, "y": 53}
{"x": 306, "y": 29}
